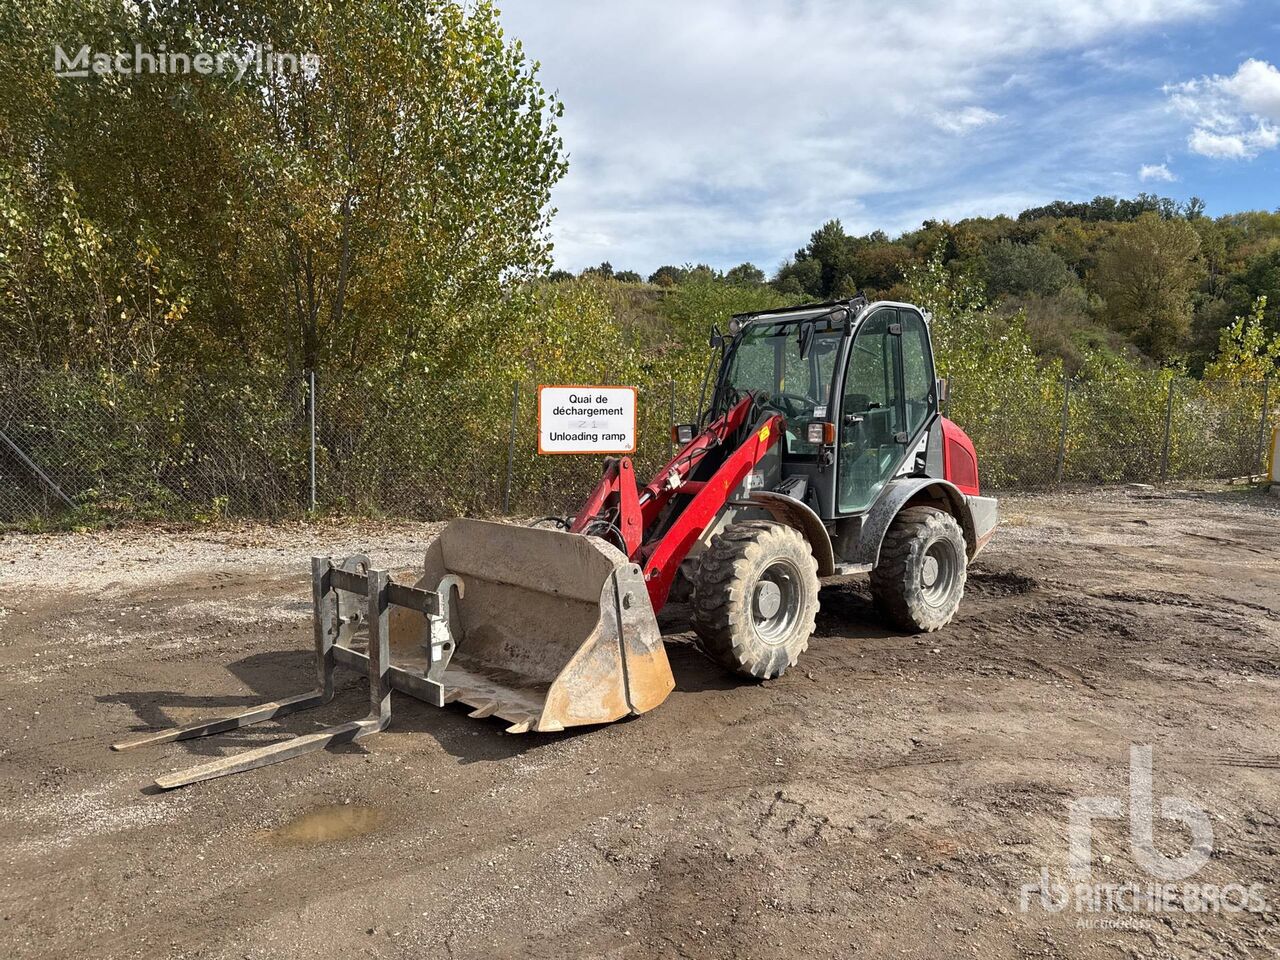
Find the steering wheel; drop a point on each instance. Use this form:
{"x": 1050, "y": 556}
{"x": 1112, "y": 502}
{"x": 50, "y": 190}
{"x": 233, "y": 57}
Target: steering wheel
{"x": 796, "y": 401}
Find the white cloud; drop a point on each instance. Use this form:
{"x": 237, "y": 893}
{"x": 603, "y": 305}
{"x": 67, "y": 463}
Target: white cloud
{"x": 1256, "y": 85}
{"x": 1235, "y": 117}
{"x": 729, "y": 129}
{"x": 1233, "y": 146}
{"x": 966, "y": 119}
{"x": 1156, "y": 171}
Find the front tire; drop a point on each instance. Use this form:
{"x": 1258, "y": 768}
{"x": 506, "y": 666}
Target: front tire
{"x": 919, "y": 580}
{"x": 755, "y": 598}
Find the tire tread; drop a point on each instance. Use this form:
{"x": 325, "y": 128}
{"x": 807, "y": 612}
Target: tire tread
{"x": 719, "y": 594}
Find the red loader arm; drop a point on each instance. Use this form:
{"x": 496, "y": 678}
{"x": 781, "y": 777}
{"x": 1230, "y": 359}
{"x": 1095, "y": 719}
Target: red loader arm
{"x": 637, "y": 509}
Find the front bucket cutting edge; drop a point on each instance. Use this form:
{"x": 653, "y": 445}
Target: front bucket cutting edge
{"x": 556, "y": 629}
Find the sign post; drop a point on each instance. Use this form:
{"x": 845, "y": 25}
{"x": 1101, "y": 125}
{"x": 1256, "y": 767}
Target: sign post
{"x": 586, "y": 420}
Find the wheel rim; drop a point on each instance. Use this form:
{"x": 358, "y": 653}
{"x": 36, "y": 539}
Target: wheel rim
{"x": 775, "y": 601}
{"x": 938, "y": 573}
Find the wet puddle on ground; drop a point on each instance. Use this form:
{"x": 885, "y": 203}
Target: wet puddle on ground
{"x": 325, "y": 824}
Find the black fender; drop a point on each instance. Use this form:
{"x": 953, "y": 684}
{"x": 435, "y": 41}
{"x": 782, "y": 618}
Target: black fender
{"x": 793, "y": 513}
{"x": 895, "y": 496}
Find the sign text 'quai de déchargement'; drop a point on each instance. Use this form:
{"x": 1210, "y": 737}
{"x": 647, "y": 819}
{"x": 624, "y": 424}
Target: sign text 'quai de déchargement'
{"x": 586, "y": 419}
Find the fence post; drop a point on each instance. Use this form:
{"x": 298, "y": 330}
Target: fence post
{"x": 1262, "y": 423}
{"x": 511, "y": 448}
{"x": 311, "y": 416}
{"x": 40, "y": 474}
{"x": 1060, "y": 468}
{"x": 1168, "y": 426}
{"x": 671, "y": 416}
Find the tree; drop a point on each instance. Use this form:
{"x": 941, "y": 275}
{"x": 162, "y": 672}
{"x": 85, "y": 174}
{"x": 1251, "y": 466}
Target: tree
{"x": 604, "y": 271}
{"x": 628, "y": 276}
{"x": 988, "y": 359}
{"x": 667, "y": 276}
{"x": 1106, "y": 208}
{"x": 409, "y": 180}
{"x": 1245, "y": 353}
{"x": 1146, "y": 275}
{"x": 1022, "y": 268}
{"x": 823, "y": 266}
{"x": 700, "y": 273}
{"x": 348, "y": 216}
{"x": 745, "y": 274}
{"x": 877, "y": 266}
{"x": 1259, "y": 278}
{"x": 799, "y": 278}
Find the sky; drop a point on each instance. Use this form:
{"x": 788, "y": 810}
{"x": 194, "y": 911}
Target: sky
{"x": 721, "y": 131}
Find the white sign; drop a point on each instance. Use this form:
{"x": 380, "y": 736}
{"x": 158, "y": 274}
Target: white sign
{"x": 586, "y": 419}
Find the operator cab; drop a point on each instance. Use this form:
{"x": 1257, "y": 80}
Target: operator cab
{"x": 854, "y": 381}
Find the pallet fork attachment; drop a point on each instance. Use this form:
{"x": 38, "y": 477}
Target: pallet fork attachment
{"x": 335, "y": 621}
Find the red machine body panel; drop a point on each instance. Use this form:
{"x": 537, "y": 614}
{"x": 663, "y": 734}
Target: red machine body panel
{"x": 959, "y": 458}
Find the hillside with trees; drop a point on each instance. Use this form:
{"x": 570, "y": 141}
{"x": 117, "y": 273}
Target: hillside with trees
{"x": 180, "y": 252}
{"x": 1150, "y": 279}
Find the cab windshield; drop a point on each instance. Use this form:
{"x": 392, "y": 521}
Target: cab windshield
{"x": 767, "y": 362}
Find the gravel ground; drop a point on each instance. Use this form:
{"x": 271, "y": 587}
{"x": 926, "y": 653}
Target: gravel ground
{"x": 891, "y": 796}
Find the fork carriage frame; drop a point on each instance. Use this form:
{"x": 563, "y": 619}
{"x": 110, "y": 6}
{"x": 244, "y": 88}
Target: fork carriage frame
{"x": 329, "y": 580}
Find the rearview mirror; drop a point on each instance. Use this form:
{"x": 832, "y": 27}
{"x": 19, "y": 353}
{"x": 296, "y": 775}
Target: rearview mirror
{"x": 805, "y": 339}
{"x": 943, "y": 388}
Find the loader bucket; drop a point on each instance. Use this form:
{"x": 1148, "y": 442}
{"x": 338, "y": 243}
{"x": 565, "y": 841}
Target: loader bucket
{"x": 553, "y": 629}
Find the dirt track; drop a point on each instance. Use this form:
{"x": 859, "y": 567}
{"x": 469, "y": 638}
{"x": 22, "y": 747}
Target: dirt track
{"x": 889, "y": 797}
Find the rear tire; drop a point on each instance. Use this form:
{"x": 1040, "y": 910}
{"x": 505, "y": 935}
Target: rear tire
{"x": 755, "y": 598}
{"x": 919, "y": 580}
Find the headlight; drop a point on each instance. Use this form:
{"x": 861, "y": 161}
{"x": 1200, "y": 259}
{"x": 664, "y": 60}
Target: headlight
{"x": 820, "y": 433}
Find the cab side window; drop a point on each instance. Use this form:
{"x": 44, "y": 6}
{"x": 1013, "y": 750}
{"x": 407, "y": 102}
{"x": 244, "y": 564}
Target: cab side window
{"x": 917, "y": 366}
{"x": 869, "y": 383}
{"x": 871, "y": 412}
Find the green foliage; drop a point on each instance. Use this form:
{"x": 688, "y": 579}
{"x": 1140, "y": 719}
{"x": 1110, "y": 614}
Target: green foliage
{"x": 182, "y": 245}
{"x": 1113, "y": 209}
{"x": 1245, "y": 352}
{"x": 834, "y": 264}
{"x": 1116, "y": 421}
{"x": 1003, "y": 396}
{"x": 690, "y": 310}
{"x": 667, "y": 276}
{"x": 604, "y": 271}
{"x": 140, "y": 446}
{"x": 1077, "y": 269}
{"x": 1013, "y": 269}
{"x": 1146, "y": 275}
{"x": 745, "y": 273}
{"x": 340, "y": 219}
{"x": 1012, "y": 403}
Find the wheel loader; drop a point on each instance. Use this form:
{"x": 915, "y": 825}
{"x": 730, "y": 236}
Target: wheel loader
{"x": 821, "y": 452}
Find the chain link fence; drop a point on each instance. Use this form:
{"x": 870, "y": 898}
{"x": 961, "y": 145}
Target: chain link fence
{"x": 133, "y": 448}
{"x": 85, "y": 447}
{"x": 1148, "y": 429}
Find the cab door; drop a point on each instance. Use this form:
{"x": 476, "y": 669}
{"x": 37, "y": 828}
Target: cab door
{"x": 887, "y": 400}
{"x": 870, "y": 412}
